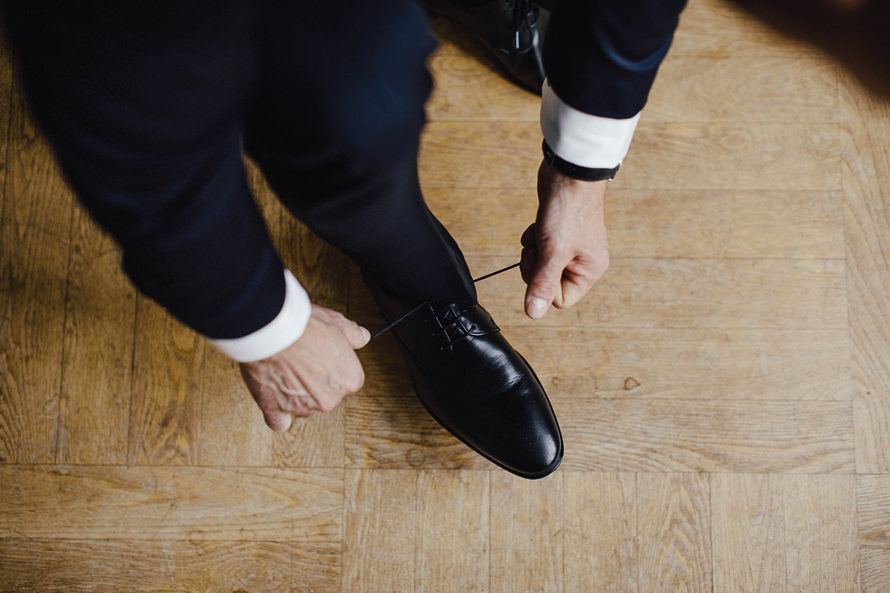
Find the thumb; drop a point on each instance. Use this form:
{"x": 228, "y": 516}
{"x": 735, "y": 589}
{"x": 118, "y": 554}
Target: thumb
{"x": 357, "y": 336}
{"x": 277, "y": 420}
{"x": 544, "y": 286}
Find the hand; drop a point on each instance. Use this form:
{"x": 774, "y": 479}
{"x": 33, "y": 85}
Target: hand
{"x": 313, "y": 373}
{"x": 565, "y": 251}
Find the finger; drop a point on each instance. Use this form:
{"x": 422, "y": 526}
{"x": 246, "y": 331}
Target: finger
{"x": 545, "y": 285}
{"x": 528, "y": 238}
{"x": 572, "y": 292}
{"x": 356, "y": 335}
{"x": 277, "y": 420}
{"x": 528, "y": 261}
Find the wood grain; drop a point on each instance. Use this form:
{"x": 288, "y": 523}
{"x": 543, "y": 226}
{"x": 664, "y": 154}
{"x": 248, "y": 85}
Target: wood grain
{"x": 748, "y": 533}
{"x": 820, "y": 531}
{"x": 470, "y": 86}
{"x": 696, "y": 436}
{"x": 873, "y": 510}
{"x": 381, "y": 537}
{"x": 747, "y": 89}
{"x": 159, "y": 503}
{"x": 675, "y": 293}
{"x": 778, "y": 365}
{"x": 232, "y": 428}
{"x": 167, "y": 380}
{"x": 527, "y": 550}
{"x": 36, "y": 227}
{"x": 721, "y": 28}
{"x": 602, "y": 541}
{"x": 100, "y": 317}
{"x": 453, "y": 521}
{"x": 757, "y": 156}
{"x": 866, "y": 173}
{"x": 687, "y": 294}
{"x": 674, "y": 527}
{"x": 395, "y": 431}
{"x": 875, "y": 569}
{"x": 691, "y": 224}
{"x": 63, "y": 566}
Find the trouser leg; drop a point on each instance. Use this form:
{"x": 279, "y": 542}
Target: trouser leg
{"x": 143, "y": 104}
{"x": 335, "y": 126}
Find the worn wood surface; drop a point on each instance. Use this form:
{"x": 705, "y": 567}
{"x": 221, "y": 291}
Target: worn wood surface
{"x": 723, "y": 392}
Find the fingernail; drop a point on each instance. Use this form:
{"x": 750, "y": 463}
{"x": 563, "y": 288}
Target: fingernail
{"x": 366, "y": 334}
{"x": 537, "y": 308}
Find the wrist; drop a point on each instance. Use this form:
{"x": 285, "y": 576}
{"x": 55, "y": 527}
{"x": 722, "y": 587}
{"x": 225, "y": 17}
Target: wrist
{"x": 576, "y": 171}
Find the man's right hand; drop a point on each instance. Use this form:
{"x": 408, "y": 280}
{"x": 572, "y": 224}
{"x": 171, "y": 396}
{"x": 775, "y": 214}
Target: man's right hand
{"x": 313, "y": 373}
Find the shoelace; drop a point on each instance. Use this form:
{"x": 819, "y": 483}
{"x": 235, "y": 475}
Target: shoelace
{"x": 455, "y": 315}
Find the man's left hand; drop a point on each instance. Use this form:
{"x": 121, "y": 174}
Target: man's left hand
{"x": 565, "y": 251}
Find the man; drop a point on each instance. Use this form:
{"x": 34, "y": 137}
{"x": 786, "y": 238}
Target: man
{"x": 150, "y": 105}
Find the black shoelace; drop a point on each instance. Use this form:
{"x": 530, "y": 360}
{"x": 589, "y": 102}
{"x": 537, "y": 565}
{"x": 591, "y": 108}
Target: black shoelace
{"x": 448, "y": 315}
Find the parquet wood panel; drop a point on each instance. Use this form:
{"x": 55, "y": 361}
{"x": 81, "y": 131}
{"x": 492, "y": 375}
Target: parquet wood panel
{"x": 527, "y": 548}
{"x": 180, "y": 503}
{"x": 675, "y": 539}
{"x": 866, "y": 172}
{"x": 36, "y": 228}
{"x": 748, "y": 533}
{"x": 691, "y": 224}
{"x": 602, "y": 538}
{"x": 166, "y": 400}
{"x": 153, "y": 566}
{"x": 723, "y": 392}
{"x": 97, "y": 364}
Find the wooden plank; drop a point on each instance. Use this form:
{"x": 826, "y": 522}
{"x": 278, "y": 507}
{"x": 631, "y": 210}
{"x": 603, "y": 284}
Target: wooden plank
{"x": 748, "y": 533}
{"x": 743, "y": 89}
{"x": 875, "y": 570}
{"x": 820, "y": 530}
{"x": 36, "y": 227}
{"x": 680, "y": 294}
{"x": 183, "y": 503}
{"x": 6, "y": 102}
{"x": 98, "y": 350}
{"x": 453, "y": 552}
{"x": 397, "y": 432}
{"x": 780, "y": 365}
{"x": 710, "y": 436}
{"x": 601, "y": 532}
{"x": 687, "y": 294}
{"x": 689, "y": 224}
{"x": 756, "y": 156}
{"x": 470, "y": 86}
{"x": 721, "y": 28}
{"x": 866, "y": 174}
{"x": 232, "y": 428}
{"x": 674, "y": 527}
{"x": 526, "y": 534}
{"x": 167, "y": 381}
{"x": 49, "y": 565}
{"x": 381, "y": 537}
{"x": 873, "y": 509}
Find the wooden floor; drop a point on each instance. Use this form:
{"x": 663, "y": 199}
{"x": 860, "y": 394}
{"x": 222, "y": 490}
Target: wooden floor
{"x": 724, "y": 393}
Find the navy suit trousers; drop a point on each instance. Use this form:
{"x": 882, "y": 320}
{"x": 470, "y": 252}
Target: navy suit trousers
{"x": 150, "y": 107}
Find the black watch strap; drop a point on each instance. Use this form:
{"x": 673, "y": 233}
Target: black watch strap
{"x": 574, "y": 171}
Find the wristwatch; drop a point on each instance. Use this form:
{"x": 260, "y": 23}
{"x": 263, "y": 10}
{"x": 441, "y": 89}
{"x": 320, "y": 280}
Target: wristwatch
{"x": 574, "y": 171}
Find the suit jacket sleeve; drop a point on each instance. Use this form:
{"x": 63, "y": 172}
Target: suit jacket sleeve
{"x": 601, "y": 56}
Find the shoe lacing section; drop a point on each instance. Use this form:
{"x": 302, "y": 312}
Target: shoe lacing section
{"x": 524, "y": 13}
{"x": 450, "y": 326}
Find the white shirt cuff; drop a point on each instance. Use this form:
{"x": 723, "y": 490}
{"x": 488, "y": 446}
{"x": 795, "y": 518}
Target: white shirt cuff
{"x": 583, "y": 139}
{"x": 278, "y": 334}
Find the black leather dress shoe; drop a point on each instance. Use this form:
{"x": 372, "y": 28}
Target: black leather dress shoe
{"x": 476, "y": 385}
{"x": 512, "y": 30}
